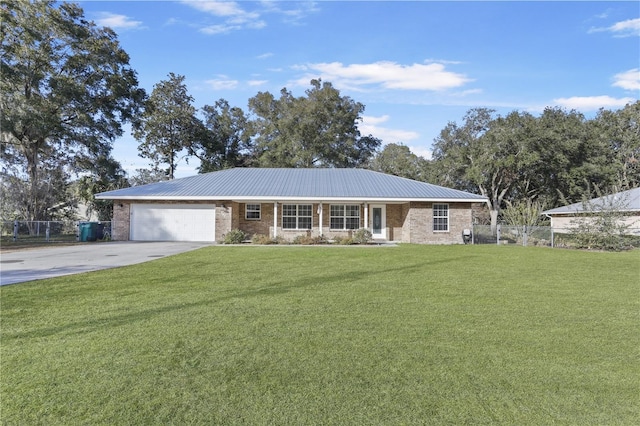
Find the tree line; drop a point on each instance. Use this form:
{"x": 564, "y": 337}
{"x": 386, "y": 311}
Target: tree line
{"x": 68, "y": 89}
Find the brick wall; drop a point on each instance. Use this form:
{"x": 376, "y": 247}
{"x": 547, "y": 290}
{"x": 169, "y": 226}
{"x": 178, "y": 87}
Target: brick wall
{"x": 408, "y": 222}
{"x": 420, "y": 224}
{"x": 121, "y": 218}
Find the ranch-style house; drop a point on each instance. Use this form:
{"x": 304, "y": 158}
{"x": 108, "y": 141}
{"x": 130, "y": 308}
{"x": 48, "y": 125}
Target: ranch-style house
{"x": 289, "y": 202}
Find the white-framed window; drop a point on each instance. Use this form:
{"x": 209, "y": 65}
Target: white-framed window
{"x": 252, "y": 211}
{"x": 296, "y": 216}
{"x": 441, "y": 217}
{"x": 344, "y": 216}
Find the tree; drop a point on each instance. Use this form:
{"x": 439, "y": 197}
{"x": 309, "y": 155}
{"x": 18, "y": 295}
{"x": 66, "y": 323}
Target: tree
{"x": 319, "y": 130}
{"x": 168, "y": 125}
{"x": 569, "y": 157}
{"x": 107, "y": 175}
{"x": 147, "y": 176}
{"x": 227, "y": 142}
{"x": 523, "y": 215}
{"x": 52, "y": 191}
{"x": 619, "y": 133}
{"x": 484, "y": 154}
{"x": 398, "y": 160}
{"x": 66, "y": 90}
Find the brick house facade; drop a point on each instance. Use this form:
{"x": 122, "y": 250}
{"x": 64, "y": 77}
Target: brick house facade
{"x": 279, "y": 203}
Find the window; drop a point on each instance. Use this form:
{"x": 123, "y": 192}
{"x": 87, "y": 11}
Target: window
{"x": 296, "y": 216}
{"x": 345, "y": 216}
{"x": 441, "y": 217}
{"x": 252, "y": 211}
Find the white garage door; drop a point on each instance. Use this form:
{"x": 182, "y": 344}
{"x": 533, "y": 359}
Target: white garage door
{"x": 173, "y": 222}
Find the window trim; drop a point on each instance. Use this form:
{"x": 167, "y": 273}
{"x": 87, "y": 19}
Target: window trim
{"x": 297, "y": 216}
{"x": 344, "y": 217}
{"x": 246, "y": 211}
{"x": 438, "y": 207}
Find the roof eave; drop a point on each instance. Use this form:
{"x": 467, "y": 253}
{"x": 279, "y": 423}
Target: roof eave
{"x": 290, "y": 198}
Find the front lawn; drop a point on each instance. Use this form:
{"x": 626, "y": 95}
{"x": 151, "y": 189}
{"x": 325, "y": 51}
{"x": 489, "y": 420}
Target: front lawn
{"x": 329, "y": 335}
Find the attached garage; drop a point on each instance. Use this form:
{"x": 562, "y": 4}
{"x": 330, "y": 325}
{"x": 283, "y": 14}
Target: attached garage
{"x": 173, "y": 222}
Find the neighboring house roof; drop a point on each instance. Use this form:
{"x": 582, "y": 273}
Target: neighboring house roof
{"x": 629, "y": 201}
{"x": 262, "y": 184}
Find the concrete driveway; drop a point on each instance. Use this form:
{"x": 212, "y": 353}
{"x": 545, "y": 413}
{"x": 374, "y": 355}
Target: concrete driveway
{"x": 36, "y": 264}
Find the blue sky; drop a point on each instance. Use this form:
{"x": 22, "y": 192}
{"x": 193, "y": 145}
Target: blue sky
{"x": 415, "y": 65}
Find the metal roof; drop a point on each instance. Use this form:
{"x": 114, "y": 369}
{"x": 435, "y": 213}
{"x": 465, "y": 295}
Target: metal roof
{"x": 292, "y": 184}
{"x": 628, "y": 201}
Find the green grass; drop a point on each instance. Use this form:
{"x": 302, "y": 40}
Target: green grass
{"x": 330, "y": 335}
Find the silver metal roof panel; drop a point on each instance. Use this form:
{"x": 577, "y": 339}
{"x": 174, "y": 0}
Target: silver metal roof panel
{"x": 628, "y": 201}
{"x": 267, "y": 184}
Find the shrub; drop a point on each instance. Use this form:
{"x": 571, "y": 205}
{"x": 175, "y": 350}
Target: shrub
{"x": 343, "y": 241}
{"x": 309, "y": 240}
{"x": 280, "y": 240}
{"x": 235, "y": 236}
{"x": 602, "y": 225}
{"x": 262, "y": 239}
{"x": 362, "y": 236}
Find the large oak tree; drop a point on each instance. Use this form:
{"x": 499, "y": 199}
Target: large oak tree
{"x": 316, "y": 130}
{"x": 66, "y": 90}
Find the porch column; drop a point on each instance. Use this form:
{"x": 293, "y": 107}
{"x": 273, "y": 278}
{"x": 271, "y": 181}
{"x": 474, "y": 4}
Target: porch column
{"x": 320, "y": 217}
{"x": 275, "y": 219}
{"x": 366, "y": 216}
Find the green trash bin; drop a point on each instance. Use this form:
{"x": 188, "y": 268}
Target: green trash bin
{"x": 88, "y": 231}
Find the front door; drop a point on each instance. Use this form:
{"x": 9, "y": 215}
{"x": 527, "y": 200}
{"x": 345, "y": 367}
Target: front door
{"x": 378, "y": 222}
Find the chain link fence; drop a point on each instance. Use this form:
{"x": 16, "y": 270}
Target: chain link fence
{"x": 53, "y": 231}
{"x": 541, "y": 236}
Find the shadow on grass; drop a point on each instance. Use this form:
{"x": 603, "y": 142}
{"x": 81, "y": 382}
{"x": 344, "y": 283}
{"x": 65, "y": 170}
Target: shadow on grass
{"x": 281, "y": 287}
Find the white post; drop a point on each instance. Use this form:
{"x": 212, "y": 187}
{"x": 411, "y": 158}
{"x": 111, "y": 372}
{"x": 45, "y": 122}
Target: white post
{"x": 366, "y": 216}
{"x": 48, "y": 230}
{"x": 320, "y": 217}
{"x": 275, "y": 219}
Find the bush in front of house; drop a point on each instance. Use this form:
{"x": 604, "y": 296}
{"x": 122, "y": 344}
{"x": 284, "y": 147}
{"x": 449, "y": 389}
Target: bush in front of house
{"x": 343, "y": 241}
{"x": 308, "y": 240}
{"x": 262, "y": 239}
{"x": 235, "y": 236}
{"x": 362, "y": 236}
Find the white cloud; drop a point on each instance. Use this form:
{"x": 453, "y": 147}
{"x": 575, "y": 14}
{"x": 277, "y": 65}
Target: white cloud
{"x": 235, "y": 17}
{"x": 265, "y": 55}
{"x": 222, "y": 83}
{"x": 371, "y": 126}
{"x": 628, "y": 28}
{"x": 628, "y": 80}
{"x": 254, "y": 83}
{"x": 218, "y": 29}
{"x": 592, "y": 103}
{"x": 217, "y": 8}
{"x": 421, "y": 151}
{"x": 117, "y": 22}
{"x": 386, "y": 74}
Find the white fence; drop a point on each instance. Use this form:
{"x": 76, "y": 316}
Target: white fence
{"x": 54, "y": 231}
